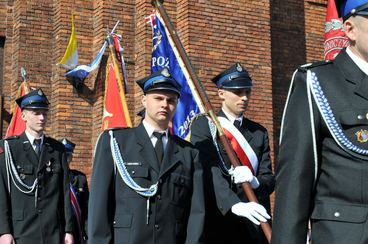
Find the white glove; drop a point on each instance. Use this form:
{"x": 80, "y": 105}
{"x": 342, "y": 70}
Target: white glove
{"x": 6, "y": 239}
{"x": 241, "y": 174}
{"x": 253, "y": 211}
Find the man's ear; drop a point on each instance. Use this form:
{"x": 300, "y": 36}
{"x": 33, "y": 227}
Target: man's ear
{"x": 221, "y": 92}
{"x": 350, "y": 27}
{"x": 23, "y": 116}
{"x": 144, "y": 101}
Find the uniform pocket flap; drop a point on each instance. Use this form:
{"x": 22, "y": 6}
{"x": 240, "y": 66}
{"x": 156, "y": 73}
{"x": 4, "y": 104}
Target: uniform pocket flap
{"x": 353, "y": 117}
{"x": 340, "y": 212}
{"x": 138, "y": 171}
{"x": 18, "y": 215}
{"x": 123, "y": 220}
{"x": 180, "y": 180}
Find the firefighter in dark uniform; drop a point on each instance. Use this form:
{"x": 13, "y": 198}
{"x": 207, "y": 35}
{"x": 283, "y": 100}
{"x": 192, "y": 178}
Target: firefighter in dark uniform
{"x": 322, "y": 172}
{"x": 81, "y": 193}
{"x": 146, "y": 184}
{"x": 34, "y": 178}
{"x": 226, "y": 203}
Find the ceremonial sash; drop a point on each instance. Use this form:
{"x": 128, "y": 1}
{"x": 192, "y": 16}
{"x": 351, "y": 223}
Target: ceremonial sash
{"x": 77, "y": 211}
{"x": 243, "y": 150}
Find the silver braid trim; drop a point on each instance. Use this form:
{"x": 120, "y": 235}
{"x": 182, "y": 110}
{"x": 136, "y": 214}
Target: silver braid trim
{"x": 13, "y": 173}
{"x": 213, "y": 131}
{"x": 119, "y": 162}
{"x": 329, "y": 118}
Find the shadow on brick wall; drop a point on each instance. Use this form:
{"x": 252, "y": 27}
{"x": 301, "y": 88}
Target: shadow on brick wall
{"x": 288, "y": 50}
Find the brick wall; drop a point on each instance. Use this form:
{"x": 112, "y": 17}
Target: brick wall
{"x": 270, "y": 39}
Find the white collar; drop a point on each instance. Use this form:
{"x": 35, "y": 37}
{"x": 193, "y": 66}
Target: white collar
{"x": 363, "y": 65}
{"x": 150, "y": 129}
{"x": 232, "y": 118}
{"x": 32, "y": 138}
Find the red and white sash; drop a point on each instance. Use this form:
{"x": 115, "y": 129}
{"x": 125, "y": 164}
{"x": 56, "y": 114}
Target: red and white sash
{"x": 240, "y": 145}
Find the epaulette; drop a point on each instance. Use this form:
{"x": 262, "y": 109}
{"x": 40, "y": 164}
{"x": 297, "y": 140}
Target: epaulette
{"x": 118, "y": 128}
{"x": 11, "y": 137}
{"x": 305, "y": 67}
{"x": 197, "y": 116}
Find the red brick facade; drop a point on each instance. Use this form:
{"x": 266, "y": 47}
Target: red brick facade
{"x": 270, "y": 38}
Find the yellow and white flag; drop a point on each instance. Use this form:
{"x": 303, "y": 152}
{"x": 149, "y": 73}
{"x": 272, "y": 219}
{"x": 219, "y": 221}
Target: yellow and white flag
{"x": 70, "y": 59}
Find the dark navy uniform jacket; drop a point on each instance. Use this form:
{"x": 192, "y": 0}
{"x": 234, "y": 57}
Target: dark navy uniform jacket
{"x": 117, "y": 214}
{"x": 222, "y": 226}
{"x": 80, "y": 186}
{"x": 332, "y": 193}
{"x": 45, "y": 219}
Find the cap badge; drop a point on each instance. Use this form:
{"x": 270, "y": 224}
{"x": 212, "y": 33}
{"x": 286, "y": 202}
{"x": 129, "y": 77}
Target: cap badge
{"x": 165, "y": 73}
{"x": 362, "y": 136}
{"x": 239, "y": 68}
{"x": 40, "y": 92}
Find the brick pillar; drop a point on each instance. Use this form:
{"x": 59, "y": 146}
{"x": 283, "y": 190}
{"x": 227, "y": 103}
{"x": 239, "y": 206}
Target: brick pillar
{"x": 288, "y": 51}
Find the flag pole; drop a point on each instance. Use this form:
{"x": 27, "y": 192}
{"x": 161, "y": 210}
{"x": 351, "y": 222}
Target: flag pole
{"x": 198, "y": 88}
{"x": 110, "y": 42}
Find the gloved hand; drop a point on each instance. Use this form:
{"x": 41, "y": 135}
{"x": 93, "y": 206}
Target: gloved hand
{"x": 6, "y": 239}
{"x": 242, "y": 174}
{"x": 253, "y": 211}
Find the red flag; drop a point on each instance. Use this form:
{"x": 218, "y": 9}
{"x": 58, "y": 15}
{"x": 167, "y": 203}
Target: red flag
{"x": 335, "y": 38}
{"x": 17, "y": 125}
{"x": 116, "y": 112}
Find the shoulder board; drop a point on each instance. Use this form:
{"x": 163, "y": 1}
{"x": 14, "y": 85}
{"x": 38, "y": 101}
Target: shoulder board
{"x": 305, "y": 67}
{"x": 11, "y": 137}
{"x": 117, "y": 128}
{"x": 197, "y": 116}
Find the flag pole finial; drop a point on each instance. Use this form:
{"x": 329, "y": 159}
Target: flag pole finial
{"x": 23, "y": 73}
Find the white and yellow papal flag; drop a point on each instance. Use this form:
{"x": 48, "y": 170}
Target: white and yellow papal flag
{"x": 70, "y": 59}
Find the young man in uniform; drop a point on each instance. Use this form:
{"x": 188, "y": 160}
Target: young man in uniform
{"x": 146, "y": 183}
{"x": 230, "y": 217}
{"x": 34, "y": 181}
{"x": 322, "y": 172}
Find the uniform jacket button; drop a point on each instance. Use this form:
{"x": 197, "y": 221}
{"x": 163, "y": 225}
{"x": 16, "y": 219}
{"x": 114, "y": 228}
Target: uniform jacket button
{"x": 157, "y": 226}
{"x": 337, "y": 214}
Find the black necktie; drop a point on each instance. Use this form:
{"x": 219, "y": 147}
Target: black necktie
{"x": 237, "y": 124}
{"x": 37, "y": 143}
{"x": 159, "y": 147}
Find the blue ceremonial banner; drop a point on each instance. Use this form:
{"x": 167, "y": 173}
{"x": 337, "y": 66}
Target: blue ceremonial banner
{"x": 82, "y": 71}
{"x": 163, "y": 55}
